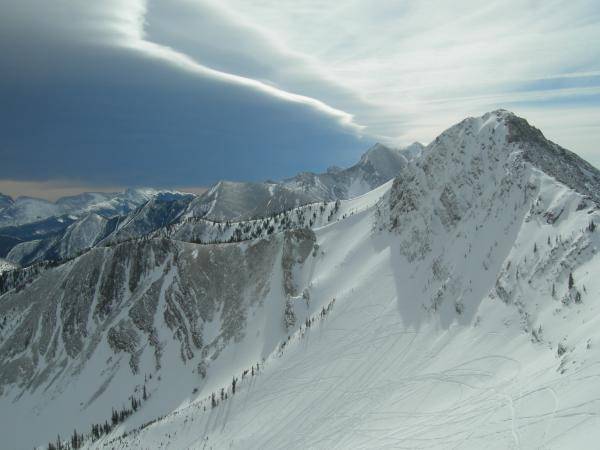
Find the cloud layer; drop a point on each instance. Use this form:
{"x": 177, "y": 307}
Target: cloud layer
{"x": 185, "y": 92}
{"x": 422, "y": 65}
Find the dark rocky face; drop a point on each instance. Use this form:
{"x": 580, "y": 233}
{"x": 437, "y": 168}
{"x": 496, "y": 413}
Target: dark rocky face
{"x": 124, "y": 293}
{"x": 565, "y": 166}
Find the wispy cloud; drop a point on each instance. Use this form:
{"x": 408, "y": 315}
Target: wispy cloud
{"x": 132, "y": 28}
{"x": 377, "y": 66}
{"x": 411, "y": 62}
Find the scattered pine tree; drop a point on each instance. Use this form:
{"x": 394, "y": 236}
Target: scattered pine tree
{"x": 571, "y": 281}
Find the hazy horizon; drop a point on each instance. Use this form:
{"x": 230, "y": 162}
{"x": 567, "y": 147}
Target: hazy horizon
{"x": 53, "y": 190}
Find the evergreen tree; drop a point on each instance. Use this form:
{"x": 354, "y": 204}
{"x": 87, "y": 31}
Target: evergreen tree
{"x": 76, "y": 440}
{"x": 95, "y": 431}
{"x": 571, "y": 281}
{"x": 289, "y": 316}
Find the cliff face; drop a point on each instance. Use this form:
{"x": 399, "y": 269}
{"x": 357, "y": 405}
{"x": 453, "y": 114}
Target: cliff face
{"x": 130, "y": 301}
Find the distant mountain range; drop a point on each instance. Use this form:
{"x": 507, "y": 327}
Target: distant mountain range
{"x": 36, "y": 229}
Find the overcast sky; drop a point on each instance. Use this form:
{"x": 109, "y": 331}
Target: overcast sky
{"x": 173, "y": 93}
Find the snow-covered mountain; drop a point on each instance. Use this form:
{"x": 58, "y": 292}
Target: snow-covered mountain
{"x": 241, "y": 200}
{"x": 94, "y": 229}
{"x": 66, "y": 229}
{"x": 157, "y": 213}
{"x": 229, "y": 200}
{"x": 26, "y": 210}
{"x": 226, "y": 200}
{"x": 78, "y": 236}
{"x": 377, "y": 166}
{"x": 454, "y": 306}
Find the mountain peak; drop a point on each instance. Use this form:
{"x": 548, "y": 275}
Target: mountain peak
{"x": 507, "y": 131}
{"x": 556, "y": 161}
{"x": 474, "y": 164}
{"x": 375, "y": 151}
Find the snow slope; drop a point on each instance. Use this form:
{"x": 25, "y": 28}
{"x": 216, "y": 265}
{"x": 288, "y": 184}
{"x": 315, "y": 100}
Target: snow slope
{"x": 448, "y": 338}
{"x": 436, "y": 311}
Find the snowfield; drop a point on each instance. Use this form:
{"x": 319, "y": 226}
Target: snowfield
{"x": 456, "y": 306}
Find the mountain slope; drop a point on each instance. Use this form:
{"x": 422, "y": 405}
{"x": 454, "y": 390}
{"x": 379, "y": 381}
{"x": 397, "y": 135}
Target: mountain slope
{"x": 44, "y": 229}
{"x": 93, "y": 328}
